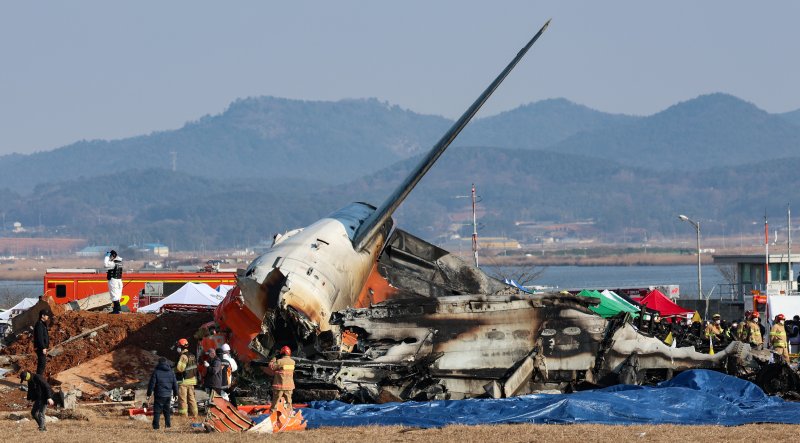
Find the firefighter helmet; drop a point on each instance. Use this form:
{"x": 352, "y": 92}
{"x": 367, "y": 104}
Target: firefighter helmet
{"x": 183, "y": 343}
{"x": 286, "y": 350}
{"x": 754, "y": 314}
{"x": 780, "y": 317}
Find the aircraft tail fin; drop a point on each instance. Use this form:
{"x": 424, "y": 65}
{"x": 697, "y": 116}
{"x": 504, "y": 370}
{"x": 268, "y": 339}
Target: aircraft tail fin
{"x": 371, "y": 226}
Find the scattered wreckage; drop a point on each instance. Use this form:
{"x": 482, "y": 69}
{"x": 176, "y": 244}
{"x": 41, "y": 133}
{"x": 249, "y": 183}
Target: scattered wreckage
{"x": 375, "y": 314}
{"x": 450, "y": 331}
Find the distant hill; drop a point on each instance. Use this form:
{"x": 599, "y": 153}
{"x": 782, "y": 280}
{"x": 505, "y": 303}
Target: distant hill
{"x": 792, "y": 116}
{"x": 266, "y": 165}
{"x": 538, "y": 125}
{"x": 711, "y": 130}
{"x": 254, "y": 138}
{"x": 335, "y": 142}
{"x": 516, "y": 185}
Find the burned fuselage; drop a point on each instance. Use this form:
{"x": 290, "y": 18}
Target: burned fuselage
{"x": 450, "y": 331}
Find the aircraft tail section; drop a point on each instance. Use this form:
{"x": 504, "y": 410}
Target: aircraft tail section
{"x": 372, "y": 226}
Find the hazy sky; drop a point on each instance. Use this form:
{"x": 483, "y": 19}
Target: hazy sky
{"x": 98, "y": 69}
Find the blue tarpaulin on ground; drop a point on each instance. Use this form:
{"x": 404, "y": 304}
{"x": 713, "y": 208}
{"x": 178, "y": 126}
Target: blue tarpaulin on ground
{"x": 697, "y": 397}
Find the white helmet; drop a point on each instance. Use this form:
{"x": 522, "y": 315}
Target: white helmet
{"x": 226, "y": 348}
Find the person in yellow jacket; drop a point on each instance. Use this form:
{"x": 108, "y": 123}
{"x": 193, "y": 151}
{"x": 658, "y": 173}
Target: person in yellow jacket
{"x": 777, "y": 338}
{"x": 186, "y": 373}
{"x": 714, "y": 329}
{"x": 752, "y": 332}
{"x": 283, "y": 379}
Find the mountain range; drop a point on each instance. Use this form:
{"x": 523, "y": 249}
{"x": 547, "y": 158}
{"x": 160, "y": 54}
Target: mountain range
{"x": 268, "y": 164}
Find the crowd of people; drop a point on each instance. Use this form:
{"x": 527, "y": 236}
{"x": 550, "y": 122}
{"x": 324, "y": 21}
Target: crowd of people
{"x": 783, "y": 337}
{"x": 214, "y": 370}
{"x": 216, "y": 367}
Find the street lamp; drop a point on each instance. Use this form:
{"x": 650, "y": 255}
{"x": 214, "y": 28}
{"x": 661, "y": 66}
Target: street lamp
{"x": 696, "y": 225}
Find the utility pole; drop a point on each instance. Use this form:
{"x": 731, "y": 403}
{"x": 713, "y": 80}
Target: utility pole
{"x": 174, "y": 155}
{"x": 474, "y": 229}
{"x": 789, "y": 276}
{"x": 766, "y": 253}
{"x": 696, "y": 225}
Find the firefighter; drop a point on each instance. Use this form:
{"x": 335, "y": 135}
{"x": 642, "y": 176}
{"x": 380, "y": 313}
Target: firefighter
{"x": 113, "y": 264}
{"x": 713, "y": 329}
{"x": 740, "y": 331}
{"x": 186, "y": 373}
{"x": 283, "y": 380}
{"x": 752, "y": 332}
{"x": 777, "y": 338}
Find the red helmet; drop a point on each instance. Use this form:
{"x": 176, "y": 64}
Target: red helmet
{"x": 286, "y": 351}
{"x": 183, "y": 343}
{"x": 780, "y": 317}
{"x": 754, "y": 314}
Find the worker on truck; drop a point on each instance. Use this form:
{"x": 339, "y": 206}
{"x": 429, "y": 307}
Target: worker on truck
{"x": 113, "y": 264}
{"x": 283, "y": 379}
{"x": 777, "y": 337}
{"x": 186, "y": 374}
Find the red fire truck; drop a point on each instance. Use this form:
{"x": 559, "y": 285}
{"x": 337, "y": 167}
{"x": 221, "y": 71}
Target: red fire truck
{"x": 138, "y": 288}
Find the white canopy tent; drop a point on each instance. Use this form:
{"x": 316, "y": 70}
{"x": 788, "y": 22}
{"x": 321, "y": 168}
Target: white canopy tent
{"x": 223, "y": 289}
{"x": 24, "y": 305}
{"x": 189, "y": 294}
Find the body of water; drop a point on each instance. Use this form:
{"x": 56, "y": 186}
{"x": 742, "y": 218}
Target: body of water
{"x": 13, "y": 291}
{"x": 610, "y": 277}
{"x": 563, "y": 277}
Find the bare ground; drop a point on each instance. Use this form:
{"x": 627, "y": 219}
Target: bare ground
{"x": 101, "y": 429}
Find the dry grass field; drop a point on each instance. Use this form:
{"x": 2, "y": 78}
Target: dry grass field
{"x": 106, "y": 429}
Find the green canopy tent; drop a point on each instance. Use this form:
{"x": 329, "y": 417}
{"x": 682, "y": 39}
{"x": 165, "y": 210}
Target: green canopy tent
{"x": 609, "y": 305}
{"x": 632, "y": 308}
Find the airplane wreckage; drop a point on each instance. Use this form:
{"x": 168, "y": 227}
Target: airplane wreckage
{"x": 374, "y": 314}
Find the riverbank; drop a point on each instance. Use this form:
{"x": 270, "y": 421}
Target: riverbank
{"x": 595, "y": 255}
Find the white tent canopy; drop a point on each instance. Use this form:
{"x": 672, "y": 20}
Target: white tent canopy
{"x": 188, "y": 294}
{"x": 223, "y": 289}
{"x": 24, "y": 305}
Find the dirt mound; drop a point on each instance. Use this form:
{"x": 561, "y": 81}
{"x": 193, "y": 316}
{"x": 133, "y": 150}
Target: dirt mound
{"x": 151, "y": 332}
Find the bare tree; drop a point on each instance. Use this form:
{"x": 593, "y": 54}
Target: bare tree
{"x": 524, "y": 275}
{"x": 728, "y": 272}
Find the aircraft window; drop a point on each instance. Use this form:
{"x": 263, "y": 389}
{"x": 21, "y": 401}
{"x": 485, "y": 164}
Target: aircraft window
{"x": 61, "y": 291}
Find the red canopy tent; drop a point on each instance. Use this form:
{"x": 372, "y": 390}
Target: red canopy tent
{"x": 657, "y": 301}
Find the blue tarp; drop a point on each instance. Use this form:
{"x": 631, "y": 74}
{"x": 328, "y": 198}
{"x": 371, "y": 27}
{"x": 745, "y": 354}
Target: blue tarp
{"x": 697, "y": 397}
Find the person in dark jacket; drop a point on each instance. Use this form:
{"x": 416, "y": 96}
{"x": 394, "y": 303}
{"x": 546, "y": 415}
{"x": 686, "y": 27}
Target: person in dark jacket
{"x": 40, "y": 393}
{"x": 214, "y": 374}
{"x": 41, "y": 340}
{"x": 164, "y": 386}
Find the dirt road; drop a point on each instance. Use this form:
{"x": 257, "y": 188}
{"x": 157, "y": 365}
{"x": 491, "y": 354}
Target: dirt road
{"x": 104, "y": 429}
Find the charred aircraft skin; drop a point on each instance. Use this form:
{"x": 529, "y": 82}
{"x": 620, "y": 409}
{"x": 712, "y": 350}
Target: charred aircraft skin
{"x": 433, "y": 341}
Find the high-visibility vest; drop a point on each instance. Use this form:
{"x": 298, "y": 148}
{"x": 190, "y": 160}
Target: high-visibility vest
{"x": 754, "y": 333}
{"x": 713, "y": 329}
{"x": 284, "y": 373}
{"x": 186, "y": 369}
{"x": 777, "y": 336}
